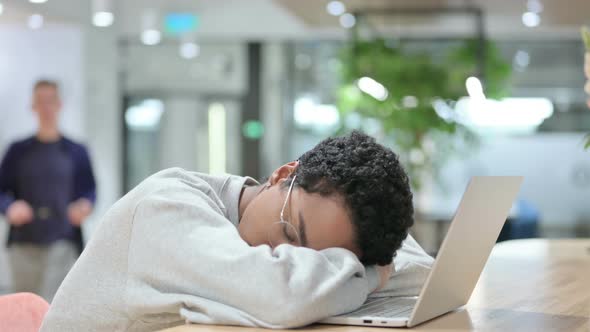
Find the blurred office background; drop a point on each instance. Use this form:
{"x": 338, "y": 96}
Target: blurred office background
{"x": 243, "y": 86}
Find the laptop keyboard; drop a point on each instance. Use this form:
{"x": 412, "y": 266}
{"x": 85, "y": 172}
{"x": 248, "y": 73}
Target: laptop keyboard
{"x": 389, "y": 307}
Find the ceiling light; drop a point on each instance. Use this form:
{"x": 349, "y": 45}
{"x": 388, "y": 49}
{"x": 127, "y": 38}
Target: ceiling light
{"x": 151, "y": 37}
{"x": 1, "y": 9}
{"x": 37, "y": 1}
{"x": 347, "y": 20}
{"x": 189, "y": 50}
{"x": 103, "y": 19}
{"x": 335, "y": 8}
{"x": 35, "y": 21}
{"x": 531, "y": 19}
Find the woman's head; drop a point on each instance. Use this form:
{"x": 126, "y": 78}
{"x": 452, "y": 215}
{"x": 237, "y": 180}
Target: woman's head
{"x": 348, "y": 192}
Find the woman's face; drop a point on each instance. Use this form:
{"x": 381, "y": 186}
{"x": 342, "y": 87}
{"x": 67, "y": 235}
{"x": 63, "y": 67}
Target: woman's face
{"x": 320, "y": 222}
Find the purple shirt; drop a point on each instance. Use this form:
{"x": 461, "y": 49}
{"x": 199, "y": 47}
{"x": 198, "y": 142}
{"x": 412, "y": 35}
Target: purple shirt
{"x": 48, "y": 176}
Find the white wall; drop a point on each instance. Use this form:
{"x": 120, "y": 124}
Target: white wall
{"x": 54, "y": 52}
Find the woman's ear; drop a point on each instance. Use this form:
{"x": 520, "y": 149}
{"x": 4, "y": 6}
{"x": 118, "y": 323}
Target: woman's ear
{"x": 283, "y": 172}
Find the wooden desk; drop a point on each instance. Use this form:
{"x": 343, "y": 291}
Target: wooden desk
{"x": 527, "y": 285}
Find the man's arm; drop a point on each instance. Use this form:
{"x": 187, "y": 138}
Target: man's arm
{"x": 188, "y": 253}
{"x": 84, "y": 183}
{"x": 7, "y": 179}
{"x": 84, "y": 188}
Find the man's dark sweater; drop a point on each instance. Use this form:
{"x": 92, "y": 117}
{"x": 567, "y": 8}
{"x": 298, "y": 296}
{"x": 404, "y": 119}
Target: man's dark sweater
{"x": 48, "y": 176}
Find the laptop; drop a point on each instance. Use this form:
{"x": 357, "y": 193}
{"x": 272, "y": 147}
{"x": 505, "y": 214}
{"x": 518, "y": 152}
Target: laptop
{"x": 460, "y": 260}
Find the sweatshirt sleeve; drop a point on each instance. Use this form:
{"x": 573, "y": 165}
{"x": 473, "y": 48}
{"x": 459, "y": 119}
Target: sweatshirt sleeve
{"x": 185, "y": 252}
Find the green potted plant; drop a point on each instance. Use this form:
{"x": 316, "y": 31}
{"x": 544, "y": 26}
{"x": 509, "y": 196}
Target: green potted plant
{"x": 407, "y": 87}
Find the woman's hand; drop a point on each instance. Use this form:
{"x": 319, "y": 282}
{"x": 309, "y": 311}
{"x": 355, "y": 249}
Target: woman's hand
{"x": 384, "y": 274}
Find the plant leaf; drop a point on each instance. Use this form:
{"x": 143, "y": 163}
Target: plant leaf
{"x": 586, "y": 37}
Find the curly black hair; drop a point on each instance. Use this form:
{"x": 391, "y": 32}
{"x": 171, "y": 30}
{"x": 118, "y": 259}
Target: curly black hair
{"x": 374, "y": 186}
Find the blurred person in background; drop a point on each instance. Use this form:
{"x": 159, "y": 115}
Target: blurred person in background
{"x": 47, "y": 190}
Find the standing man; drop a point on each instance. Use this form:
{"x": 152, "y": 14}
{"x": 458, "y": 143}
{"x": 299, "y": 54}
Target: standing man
{"x": 47, "y": 189}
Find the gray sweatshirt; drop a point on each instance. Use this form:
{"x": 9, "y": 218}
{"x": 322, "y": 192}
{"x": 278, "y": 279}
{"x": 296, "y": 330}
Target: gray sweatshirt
{"x": 169, "y": 253}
